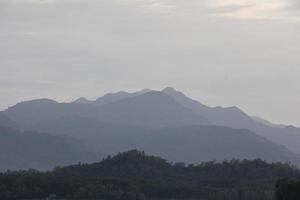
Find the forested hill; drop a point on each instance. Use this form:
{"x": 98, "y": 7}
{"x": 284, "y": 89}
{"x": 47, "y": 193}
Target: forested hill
{"x": 141, "y": 166}
{"x": 134, "y": 176}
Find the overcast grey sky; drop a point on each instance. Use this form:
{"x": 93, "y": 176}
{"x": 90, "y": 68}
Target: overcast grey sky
{"x": 220, "y": 52}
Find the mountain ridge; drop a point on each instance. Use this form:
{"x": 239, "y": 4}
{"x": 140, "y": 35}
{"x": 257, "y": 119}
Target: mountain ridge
{"x": 163, "y": 122}
{"x": 236, "y": 118}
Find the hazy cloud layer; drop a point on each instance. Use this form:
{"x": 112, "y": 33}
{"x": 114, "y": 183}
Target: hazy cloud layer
{"x": 222, "y": 52}
{"x": 270, "y": 9}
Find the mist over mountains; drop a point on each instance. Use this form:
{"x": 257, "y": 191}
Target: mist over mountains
{"x": 164, "y": 123}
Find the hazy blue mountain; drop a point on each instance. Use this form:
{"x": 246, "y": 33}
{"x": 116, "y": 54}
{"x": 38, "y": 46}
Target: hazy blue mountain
{"x": 149, "y": 110}
{"x": 82, "y": 100}
{"x": 189, "y": 143}
{"x": 99, "y": 136}
{"x": 230, "y": 116}
{"x": 111, "y": 97}
{"x": 203, "y": 143}
{"x": 122, "y": 121}
{"x": 236, "y": 118}
{"x": 268, "y": 123}
{"x": 5, "y": 122}
{"x": 39, "y": 151}
{"x": 28, "y": 113}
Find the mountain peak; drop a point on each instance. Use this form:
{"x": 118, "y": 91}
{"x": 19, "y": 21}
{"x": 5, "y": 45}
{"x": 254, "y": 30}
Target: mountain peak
{"x": 82, "y": 100}
{"x": 172, "y": 92}
{"x": 36, "y": 102}
{"x": 119, "y": 93}
{"x": 169, "y": 89}
{"x": 143, "y": 91}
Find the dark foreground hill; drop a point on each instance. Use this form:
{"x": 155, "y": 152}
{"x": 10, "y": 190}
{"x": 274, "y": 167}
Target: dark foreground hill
{"x": 136, "y": 176}
{"x": 288, "y": 189}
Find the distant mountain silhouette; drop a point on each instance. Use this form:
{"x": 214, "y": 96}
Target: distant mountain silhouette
{"x": 28, "y": 113}
{"x": 190, "y": 144}
{"x": 5, "y": 122}
{"x": 82, "y": 100}
{"x": 149, "y": 110}
{"x": 110, "y": 97}
{"x": 165, "y": 123}
{"x": 204, "y": 143}
{"x": 230, "y": 116}
{"x": 236, "y": 118}
{"x": 268, "y": 123}
{"x": 39, "y": 151}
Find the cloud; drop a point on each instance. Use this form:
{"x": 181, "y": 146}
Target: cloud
{"x": 242, "y": 9}
{"x": 28, "y": 1}
{"x": 295, "y": 3}
{"x": 263, "y": 9}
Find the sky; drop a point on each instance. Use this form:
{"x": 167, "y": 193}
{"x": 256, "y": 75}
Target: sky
{"x": 220, "y": 52}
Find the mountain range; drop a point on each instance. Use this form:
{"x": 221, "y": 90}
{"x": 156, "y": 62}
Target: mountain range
{"x": 164, "y": 123}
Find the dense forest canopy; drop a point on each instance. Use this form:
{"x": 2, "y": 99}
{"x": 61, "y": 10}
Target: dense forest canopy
{"x": 288, "y": 190}
{"x": 134, "y": 175}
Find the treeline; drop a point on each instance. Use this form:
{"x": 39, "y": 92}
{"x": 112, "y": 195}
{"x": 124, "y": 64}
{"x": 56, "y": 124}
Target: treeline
{"x": 288, "y": 190}
{"x": 136, "y": 176}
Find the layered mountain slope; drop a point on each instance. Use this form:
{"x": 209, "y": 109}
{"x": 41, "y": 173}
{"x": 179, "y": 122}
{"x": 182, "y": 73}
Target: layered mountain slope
{"x": 190, "y": 144}
{"x": 39, "y": 151}
{"x": 164, "y": 122}
{"x": 204, "y": 143}
{"x": 150, "y": 110}
{"x": 111, "y": 97}
{"x": 5, "y": 122}
{"x": 100, "y": 137}
{"x": 234, "y": 117}
{"x": 230, "y": 116}
{"x": 28, "y": 113}
{"x": 268, "y": 123}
